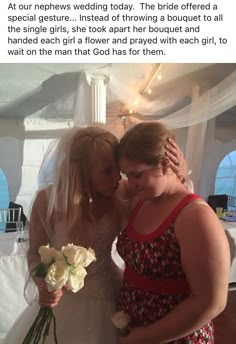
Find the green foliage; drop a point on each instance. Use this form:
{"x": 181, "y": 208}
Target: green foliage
{"x": 40, "y": 270}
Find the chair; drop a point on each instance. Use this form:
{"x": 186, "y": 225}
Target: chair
{"x": 22, "y": 216}
{"x": 216, "y": 201}
{"x": 9, "y": 218}
{"x": 231, "y": 202}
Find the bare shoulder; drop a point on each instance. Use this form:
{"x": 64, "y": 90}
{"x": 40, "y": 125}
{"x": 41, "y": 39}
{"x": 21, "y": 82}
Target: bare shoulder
{"x": 41, "y": 199}
{"x": 198, "y": 207}
{"x": 197, "y": 213}
{"x": 197, "y": 226}
{"x": 41, "y": 195}
{"x": 204, "y": 248}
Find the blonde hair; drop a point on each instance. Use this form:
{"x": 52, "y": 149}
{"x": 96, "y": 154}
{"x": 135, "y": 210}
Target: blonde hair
{"x": 73, "y": 158}
{"x": 145, "y": 143}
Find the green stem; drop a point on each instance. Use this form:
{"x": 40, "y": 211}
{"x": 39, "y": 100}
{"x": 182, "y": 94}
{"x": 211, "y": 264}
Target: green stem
{"x": 54, "y": 329}
{"x": 34, "y": 326}
{"x": 41, "y": 326}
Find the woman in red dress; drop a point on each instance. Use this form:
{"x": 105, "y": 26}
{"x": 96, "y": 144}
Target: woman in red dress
{"x": 175, "y": 249}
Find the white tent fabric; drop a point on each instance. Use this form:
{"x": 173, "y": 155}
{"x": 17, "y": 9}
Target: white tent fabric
{"x": 211, "y": 104}
{"x": 61, "y": 94}
{"x": 122, "y": 87}
{"x": 195, "y": 116}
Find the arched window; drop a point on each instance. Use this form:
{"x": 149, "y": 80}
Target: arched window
{"x": 225, "y": 182}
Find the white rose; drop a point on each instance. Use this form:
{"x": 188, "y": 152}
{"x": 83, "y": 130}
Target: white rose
{"x": 121, "y": 320}
{"x": 47, "y": 254}
{"x": 76, "y": 278}
{"x": 57, "y": 275}
{"x": 73, "y": 254}
{"x": 90, "y": 257}
{"x": 57, "y": 255}
{"x": 78, "y": 255}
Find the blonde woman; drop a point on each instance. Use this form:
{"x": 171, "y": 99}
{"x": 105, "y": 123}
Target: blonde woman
{"x": 82, "y": 205}
{"x": 174, "y": 247}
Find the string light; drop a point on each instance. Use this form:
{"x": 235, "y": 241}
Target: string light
{"x": 123, "y": 120}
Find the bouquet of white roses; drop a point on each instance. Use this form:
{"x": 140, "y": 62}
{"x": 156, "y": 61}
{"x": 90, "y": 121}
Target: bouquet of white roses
{"x": 59, "y": 268}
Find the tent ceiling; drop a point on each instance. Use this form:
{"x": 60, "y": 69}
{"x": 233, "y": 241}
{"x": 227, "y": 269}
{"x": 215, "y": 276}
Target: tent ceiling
{"x": 48, "y": 90}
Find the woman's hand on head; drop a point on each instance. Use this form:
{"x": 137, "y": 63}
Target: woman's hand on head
{"x": 176, "y": 159}
{"x": 48, "y": 298}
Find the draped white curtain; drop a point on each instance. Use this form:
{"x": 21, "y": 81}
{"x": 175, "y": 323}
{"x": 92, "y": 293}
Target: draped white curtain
{"x": 47, "y": 77}
{"x": 203, "y": 107}
{"x": 195, "y": 116}
{"x": 212, "y": 103}
{"x": 209, "y": 105}
{"x": 195, "y": 141}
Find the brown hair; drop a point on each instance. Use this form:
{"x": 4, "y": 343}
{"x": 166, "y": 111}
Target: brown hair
{"x": 145, "y": 143}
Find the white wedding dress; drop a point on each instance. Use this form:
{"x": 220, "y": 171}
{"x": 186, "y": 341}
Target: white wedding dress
{"x": 84, "y": 317}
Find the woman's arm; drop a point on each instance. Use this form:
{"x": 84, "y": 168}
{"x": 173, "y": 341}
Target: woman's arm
{"x": 206, "y": 262}
{"x": 37, "y": 232}
{"x": 38, "y": 237}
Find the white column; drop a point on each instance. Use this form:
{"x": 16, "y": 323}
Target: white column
{"x": 90, "y": 102}
{"x": 195, "y": 144}
{"x": 98, "y": 85}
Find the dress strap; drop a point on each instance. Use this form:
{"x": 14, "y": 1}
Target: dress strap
{"x": 186, "y": 200}
{"x": 166, "y": 223}
{"x": 175, "y": 212}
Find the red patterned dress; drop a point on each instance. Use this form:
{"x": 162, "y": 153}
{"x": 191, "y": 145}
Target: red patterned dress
{"x": 154, "y": 281}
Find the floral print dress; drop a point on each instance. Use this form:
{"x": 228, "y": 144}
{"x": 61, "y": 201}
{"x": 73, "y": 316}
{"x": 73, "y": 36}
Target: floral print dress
{"x": 154, "y": 281}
